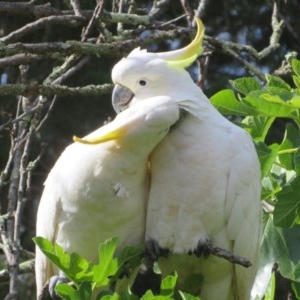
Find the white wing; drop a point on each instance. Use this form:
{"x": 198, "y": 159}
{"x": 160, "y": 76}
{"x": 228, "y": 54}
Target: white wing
{"x": 48, "y": 214}
{"x": 243, "y": 212}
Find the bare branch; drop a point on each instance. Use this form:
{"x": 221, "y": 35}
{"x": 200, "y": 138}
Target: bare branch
{"x": 201, "y": 7}
{"x": 20, "y": 59}
{"x": 188, "y": 11}
{"x": 71, "y": 71}
{"x": 97, "y": 12}
{"x": 50, "y": 90}
{"x": 51, "y": 20}
{"x": 27, "y": 9}
{"x": 114, "y": 49}
{"x": 24, "y": 268}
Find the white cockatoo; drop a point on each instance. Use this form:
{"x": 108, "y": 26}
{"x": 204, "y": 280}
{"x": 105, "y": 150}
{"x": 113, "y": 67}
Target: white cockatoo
{"x": 205, "y": 177}
{"x": 98, "y": 191}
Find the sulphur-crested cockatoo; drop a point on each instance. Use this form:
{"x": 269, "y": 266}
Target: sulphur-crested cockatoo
{"x": 205, "y": 176}
{"x": 98, "y": 191}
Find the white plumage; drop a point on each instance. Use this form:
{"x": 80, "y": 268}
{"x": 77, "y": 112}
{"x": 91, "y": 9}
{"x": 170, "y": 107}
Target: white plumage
{"x": 205, "y": 177}
{"x": 98, "y": 191}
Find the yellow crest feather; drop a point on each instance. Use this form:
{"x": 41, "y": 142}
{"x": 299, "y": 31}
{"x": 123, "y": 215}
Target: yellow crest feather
{"x": 184, "y": 57}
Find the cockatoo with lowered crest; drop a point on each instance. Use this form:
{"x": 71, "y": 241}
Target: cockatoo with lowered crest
{"x": 100, "y": 190}
{"x": 205, "y": 176}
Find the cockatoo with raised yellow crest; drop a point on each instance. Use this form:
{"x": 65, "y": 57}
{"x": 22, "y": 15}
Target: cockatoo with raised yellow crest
{"x": 205, "y": 176}
{"x": 98, "y": 191}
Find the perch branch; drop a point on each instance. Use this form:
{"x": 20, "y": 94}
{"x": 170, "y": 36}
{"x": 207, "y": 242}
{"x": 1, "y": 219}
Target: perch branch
{"x": 235, "y": 259}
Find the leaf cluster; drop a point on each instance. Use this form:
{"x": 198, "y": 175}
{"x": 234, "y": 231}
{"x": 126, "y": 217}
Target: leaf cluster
{"x": 87, "y": 277}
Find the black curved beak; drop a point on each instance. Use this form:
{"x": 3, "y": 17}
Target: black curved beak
{"x": 121, "y": 97}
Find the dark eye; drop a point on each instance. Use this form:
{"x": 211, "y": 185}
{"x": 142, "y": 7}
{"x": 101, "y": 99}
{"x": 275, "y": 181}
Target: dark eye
{"x": 142, "y": 82}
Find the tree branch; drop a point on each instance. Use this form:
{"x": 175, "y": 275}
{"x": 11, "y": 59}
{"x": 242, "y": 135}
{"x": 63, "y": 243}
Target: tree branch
{"x": 24, "y": 267}
{"x": 50, "y": 90}
{"x": 235, "y": 259}
{"x": 69, "y": 20}
{"x": 20, "y": 59}
{"x": 114, "y": 49}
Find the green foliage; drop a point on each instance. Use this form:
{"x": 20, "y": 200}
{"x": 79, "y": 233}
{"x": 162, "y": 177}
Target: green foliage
{"x": 262, "y": 107}
{"x": 270, "y": 293}
{"x": 87, "y": 276}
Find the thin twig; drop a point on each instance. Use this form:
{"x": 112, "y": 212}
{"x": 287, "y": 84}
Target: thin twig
{"x": 47, "y": 114}
{"x": 76, "y": 7}
{"x": 71, "y": 70}
{"x": 201, "y": 8}
{"x": 188, "y": 11}
{"x": 97, "y": 12}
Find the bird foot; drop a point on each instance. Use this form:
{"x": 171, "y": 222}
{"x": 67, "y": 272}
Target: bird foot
{"x": 53, "y": 282}
{"x": 154, "y": 251}
{"x": 204, "y": 247}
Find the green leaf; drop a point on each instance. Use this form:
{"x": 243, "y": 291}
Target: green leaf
{"x": 126, "y": 294}
{"x": 270, "y": 187}
{"x": 274, "y": 81}
{"x": 283, "y": 94}
{"x": 270, "y": 293}
{"x": 227, "y": 104}
{"x": 128, "y": 259}
{"x": 84, "y": 292}
{"x": 281, "y": 246}
{"x": 269, "y": 105}
{"x": 108, "y": 265}
{"x": 287, "y": 207}
{"x": 186, "y": 296}
{"x": 297, "y": 162}
{"x": 258, "y": 126}
{"x": 266, "y": 262}
{"x": 295, "y": 63}
{"x": 104, "y": 293}
{"x": 295, "y": 101}
{"x": 245, "y": 85}
{"x": 296, "y": 80}
{"x": 267, "y": 156}
{"x": 168, "y": 284}
{"x": 66, "y": 292}
{"x": 288, "y": 147}
{"x": 111, "y": 297}
{"x": 150, "y": 296}
{"x": 75, "y": 267}
{"x": 296, "y": 289}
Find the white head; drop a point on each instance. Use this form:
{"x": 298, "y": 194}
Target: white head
{"x": 142, "y": 75}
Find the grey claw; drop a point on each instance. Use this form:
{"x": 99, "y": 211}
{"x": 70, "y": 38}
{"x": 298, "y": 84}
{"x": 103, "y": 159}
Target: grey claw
{"x": 153, "y": 251}
{"x": 203, "y": 248}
